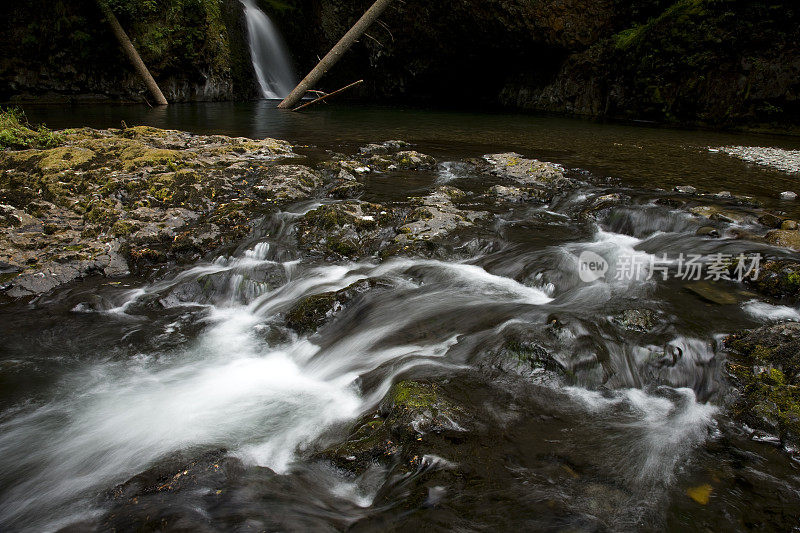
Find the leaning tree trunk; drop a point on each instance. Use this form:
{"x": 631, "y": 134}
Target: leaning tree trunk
{"x": 336, "y": 53}
{"x": 133, "y": 55}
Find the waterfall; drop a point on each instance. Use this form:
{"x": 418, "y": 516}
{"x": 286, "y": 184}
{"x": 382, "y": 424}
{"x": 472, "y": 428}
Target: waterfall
{"x": 268, "y": 52}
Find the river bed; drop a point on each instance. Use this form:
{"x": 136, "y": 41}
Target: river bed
{"x": 190, "y": 383}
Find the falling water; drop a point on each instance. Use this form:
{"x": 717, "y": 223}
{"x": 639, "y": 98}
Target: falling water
{"x": 268, "y": 52}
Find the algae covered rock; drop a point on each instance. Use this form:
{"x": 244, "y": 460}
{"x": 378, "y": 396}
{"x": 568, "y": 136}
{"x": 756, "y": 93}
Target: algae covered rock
{"x": 778, "y": 278}
{"x": 394, "y": 155}
{"x": 641, "y": 320}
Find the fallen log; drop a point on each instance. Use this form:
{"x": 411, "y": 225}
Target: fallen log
{"x": 325, "y": 96}
{"x": 130, "y": 51}
{"x": 335, "y": 54}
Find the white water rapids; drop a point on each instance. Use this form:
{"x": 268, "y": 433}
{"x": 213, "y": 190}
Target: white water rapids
{"x": 265, "y": 401}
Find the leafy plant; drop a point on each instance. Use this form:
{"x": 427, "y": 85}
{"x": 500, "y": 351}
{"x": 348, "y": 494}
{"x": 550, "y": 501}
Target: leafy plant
{"x": 17, "y": 132}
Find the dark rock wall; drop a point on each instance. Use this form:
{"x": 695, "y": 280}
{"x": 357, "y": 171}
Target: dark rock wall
{"x": 59, "y": 50}
{"x": 718, "y": 62}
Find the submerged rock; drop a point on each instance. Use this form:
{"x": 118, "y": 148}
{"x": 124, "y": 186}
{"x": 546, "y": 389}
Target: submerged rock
{"x": 713, "y": 293}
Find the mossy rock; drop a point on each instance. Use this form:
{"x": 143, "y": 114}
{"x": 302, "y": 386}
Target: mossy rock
{"x": 764, "y": 364}
{"x": 777, "y": 279}
{"x": 63, "y": 158}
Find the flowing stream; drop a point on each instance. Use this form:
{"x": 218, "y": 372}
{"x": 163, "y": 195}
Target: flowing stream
{"x": 271, "y": 62}
{"x": 103, "y": 380}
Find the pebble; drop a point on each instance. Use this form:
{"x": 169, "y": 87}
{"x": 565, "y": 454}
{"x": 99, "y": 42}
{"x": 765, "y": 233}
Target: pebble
{"x": 789, "y": 195}
{"x": 686, "y": 189}
{"x": 777, "y": 158}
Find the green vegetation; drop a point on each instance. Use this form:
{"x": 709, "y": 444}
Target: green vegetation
{"x": 682, "y": 8}
{"x": 16, "y": 132}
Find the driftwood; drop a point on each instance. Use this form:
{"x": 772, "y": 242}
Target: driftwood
{"x": 335, "y": 54}
{"x": 328, "y": 95}
{"x": 130, "y": 51}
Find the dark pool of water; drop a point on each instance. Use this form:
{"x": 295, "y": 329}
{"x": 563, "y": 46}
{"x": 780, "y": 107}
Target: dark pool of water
{"x": 640, "y": 155}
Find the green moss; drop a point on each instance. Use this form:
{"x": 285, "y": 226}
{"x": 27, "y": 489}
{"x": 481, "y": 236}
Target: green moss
{"x": 63, "y": 158}
{"x": 8, "y": 276}
{"x": 345, "y": 246}
{"x": 310, "y": 313}
{"x": 414, "y": 395}
{"x": 123, "y": 228}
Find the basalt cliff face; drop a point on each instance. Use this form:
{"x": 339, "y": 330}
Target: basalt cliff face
{"x": 717, "y": 62}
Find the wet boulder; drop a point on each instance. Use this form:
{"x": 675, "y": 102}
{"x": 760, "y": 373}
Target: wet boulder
{"x": 525, "y": 171}
{"x": 312, "y": 312}
{"x": 708, "y": 231}
{"x": 592, "y": 209}
{"x": 175, "y": 494}
{"x": 405, "y": 160}
{"x": 394, "y": 155}
{"x": 777, "y": 279}
{"x": 721, "y": 214}
{"x": 518, "y": 194}
{"x": 349, "y": 229}
{"x": 770, "y": 220}
{"x": 784, "y": 238}
{"x": 285, "y": 183}
{"x": 436, "y": 215}
{"x": 412, "y": 416}
{"x": 641, "y": 320}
